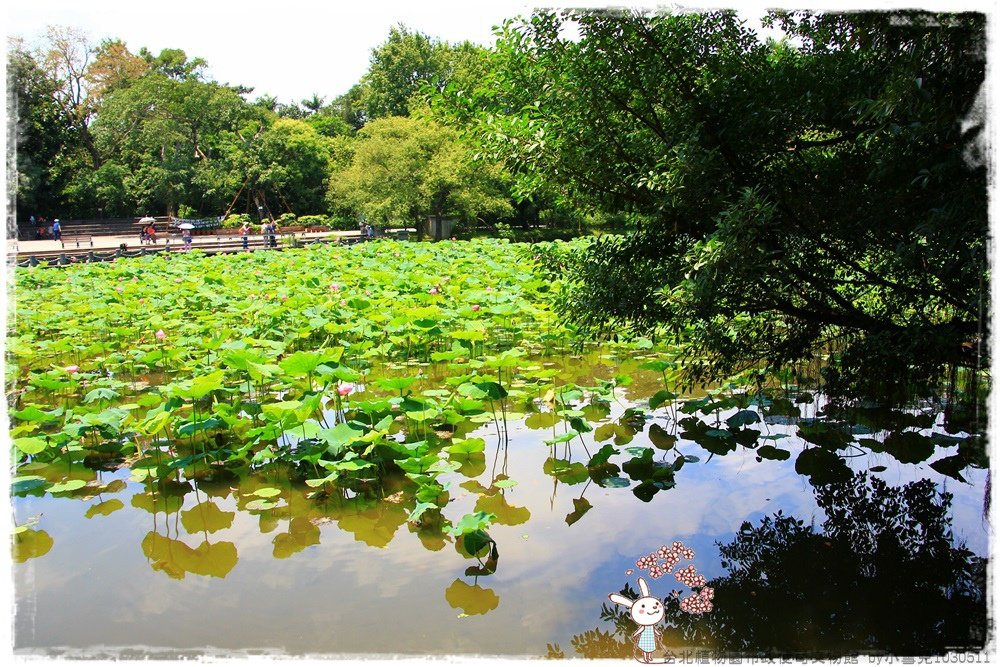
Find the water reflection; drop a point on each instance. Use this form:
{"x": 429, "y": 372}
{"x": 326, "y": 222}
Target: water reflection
{"x": 303, "y": 527}
{"x": 883, "y": 575}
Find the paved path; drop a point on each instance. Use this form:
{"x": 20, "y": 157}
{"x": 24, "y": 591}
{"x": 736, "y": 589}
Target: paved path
{"x": 28, "y": 247}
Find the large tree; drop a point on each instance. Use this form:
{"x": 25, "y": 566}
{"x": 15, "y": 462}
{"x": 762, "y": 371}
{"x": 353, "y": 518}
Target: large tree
{"x": 408, "y": 65}
{"x": 403, "y": 170}
{"x": 41, "y": 133}
{"x": 826, "y": 191}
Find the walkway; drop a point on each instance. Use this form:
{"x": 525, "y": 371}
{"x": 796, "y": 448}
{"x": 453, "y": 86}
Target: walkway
{"x": 19, "y": 251}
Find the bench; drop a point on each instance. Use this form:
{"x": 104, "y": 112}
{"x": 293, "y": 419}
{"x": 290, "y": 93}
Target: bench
{"x": 76, "y": 238}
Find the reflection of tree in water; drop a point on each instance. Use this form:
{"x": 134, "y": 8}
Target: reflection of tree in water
{"x": 883, "y": 576}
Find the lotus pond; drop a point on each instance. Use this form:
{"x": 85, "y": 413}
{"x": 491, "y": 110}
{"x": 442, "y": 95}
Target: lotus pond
{"x": 400, "y": 448}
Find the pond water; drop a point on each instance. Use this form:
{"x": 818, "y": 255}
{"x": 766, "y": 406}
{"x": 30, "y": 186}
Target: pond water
{"x": 197, "y": 565}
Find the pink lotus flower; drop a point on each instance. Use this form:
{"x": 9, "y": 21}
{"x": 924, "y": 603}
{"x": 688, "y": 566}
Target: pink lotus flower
{"x": 433, "y": 290}
{"x": 142, "y": 301}
{"x": 284, "y": 297}
{"x": 475, "y": 307}
{"x": 345, "y": 389}
{"x": 489, "y": 289}
{"x": 343, "y": 302}
{"x": 177, "y": 280}
{"x": 368, "y": 292}
{"x": 160, "y": 335}
{"x": 334, "y": 287}
{"x": 72, "y": 369}
{"x": 119, "y": 289}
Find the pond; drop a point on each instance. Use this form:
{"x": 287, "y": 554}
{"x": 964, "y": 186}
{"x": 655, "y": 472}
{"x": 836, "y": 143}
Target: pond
{"x": 215, "y": 559}
{"x": 403, "y": 448}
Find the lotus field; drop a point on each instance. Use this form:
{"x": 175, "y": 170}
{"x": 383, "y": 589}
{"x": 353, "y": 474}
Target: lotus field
{"x": 349, "y": 365}
{"x": 392, "y": 384}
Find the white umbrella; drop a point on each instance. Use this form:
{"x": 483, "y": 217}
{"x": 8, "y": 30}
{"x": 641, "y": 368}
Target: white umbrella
{"x": 185, "y": 225}
{"x": 147, "y": 219}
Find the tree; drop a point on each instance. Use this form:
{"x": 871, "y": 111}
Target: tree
{"x": 66, "y": 59}
{"x": 785, "y": 198}
{"x": 397, "y": 70}
{"x": 41, "y": 132}
{"x": 883, "y": 574}
{"x": 113, "y": 66}
{"x": 175, "y": 64}
{"x": 296, "y": 159}
{"x": 409, "y": 65}
{"x": 405, "y": 169}
{"x": 350, "y": 108}
{"x": 176, "y": 141}
{"x": 313, "y": 104}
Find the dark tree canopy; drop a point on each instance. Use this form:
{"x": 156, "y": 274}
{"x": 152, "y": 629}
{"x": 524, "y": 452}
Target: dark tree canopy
{"x": 822, "y": 193}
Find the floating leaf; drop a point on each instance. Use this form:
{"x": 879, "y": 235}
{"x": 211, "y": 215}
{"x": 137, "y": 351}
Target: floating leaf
{"x": 28, "y": 544}
{"x": 580, "y": 507}
{"x": 31, "y": 445}
{"x": 68, "y": 485}
{"x": 822, "y": 466}
{"x": 105, "y": 508}
{"x": 743, "y": 418}
{"x": 564, "y": 471}
{"x": 951, "y": 466}
{"x": 909, "y": 446}
{"x": 471, "y": 599}
{"x": 661, "y": 397}
{"x": 261, "y": 504}
{"x": 773, "y": 453}
{"x": 660, "y": 438}
{"x": 471, "y": 522}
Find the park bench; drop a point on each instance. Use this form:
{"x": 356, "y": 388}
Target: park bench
{"x": 77, "y": 239}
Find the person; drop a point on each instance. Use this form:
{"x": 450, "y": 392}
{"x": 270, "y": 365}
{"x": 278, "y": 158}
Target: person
{"x": 245, "y": 233}
{"x": 143, "y": 235}
{"x": 370, "y": 232}
{"x": 268, "y": 230}
{"x": 186, "y": 237}
{"x": 151, "y": 234}
{"x": 56, "y": 230}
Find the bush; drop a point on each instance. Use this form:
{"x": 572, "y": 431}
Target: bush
{"x": 314, "y": 221}
{"x": 236, "y": 220}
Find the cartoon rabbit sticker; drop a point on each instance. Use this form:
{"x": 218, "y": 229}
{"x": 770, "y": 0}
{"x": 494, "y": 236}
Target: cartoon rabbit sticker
{"x": 647, "y": 612}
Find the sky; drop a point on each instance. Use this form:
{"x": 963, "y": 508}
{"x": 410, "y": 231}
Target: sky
{"x": 290, "y": 49}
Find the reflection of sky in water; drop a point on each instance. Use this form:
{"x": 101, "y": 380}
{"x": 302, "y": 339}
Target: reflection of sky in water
{"x": 96, "y": 588}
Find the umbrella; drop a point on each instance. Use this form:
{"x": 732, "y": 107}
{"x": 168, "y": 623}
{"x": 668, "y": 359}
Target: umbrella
{"x": 185, "y": 225}
{"x": 146, "y": 220}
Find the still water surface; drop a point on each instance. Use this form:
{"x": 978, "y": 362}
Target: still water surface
{"x": 192, "y": 570}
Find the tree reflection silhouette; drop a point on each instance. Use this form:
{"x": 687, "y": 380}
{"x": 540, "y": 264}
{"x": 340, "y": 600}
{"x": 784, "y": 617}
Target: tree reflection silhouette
{"x": 882, "y": 576}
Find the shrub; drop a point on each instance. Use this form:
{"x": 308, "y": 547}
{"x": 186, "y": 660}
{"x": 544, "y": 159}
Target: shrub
{"x": 236, "y": 220}
{"x": 314, "y": 221}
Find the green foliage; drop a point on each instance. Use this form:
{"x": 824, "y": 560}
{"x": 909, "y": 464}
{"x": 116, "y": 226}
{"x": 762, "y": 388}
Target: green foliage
{"x": 405, "y": 169}
{"x": 409, "y": 65}
{"x": 237, "y": 220}
{"x": 785, "y": 196}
